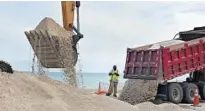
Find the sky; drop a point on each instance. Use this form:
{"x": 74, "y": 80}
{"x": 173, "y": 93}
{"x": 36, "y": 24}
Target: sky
{"x": 109, "y": 28}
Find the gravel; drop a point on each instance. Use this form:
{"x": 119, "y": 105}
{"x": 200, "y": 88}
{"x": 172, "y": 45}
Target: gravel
{"x": 64, "y": 47}
{"x": 137, "y": 91}
{"x": 148, "y": 106}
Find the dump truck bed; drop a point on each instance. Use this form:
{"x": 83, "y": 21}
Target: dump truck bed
{"x": 165, "y": 60}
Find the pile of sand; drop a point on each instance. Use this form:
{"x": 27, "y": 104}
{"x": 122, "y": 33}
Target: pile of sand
{"x": 53, "y": 28}
{"x": 23, "y": 92}
{"x": 137, "y": 91}
{"x": 148, "y": 106}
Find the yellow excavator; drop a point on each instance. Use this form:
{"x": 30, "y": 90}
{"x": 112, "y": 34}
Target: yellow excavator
{"x": 68, "y": 10}
{"x": 45, "y": 38}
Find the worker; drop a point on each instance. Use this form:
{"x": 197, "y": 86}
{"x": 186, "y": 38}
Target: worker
{"x": 114, "y": 79}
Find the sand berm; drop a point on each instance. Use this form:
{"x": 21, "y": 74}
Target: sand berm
{"x": 25, "y": 92}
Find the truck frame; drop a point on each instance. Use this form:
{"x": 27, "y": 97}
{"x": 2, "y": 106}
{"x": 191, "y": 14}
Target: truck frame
{"x": 173, "y": 58}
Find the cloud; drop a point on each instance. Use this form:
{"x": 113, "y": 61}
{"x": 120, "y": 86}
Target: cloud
{"x": 111, "y": 33}
{"x": 130, "y": 24}
{"x": 17, "y": 17}
{"x": 108, "y": 27}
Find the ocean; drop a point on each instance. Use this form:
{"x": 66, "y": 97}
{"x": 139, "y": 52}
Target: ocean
{"x": 88, "y": 80}
{"x": 91, "y": 80}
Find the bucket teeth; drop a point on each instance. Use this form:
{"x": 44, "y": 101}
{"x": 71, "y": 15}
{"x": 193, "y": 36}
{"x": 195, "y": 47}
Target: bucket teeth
{"x": 52, "y": 44}
{"x": 44, "y": 48}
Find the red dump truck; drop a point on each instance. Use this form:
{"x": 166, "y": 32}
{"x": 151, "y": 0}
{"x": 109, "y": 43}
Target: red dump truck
{"x": 164, "y": 61}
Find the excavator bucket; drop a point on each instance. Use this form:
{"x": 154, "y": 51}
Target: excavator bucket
{"x": 52, "y": 44}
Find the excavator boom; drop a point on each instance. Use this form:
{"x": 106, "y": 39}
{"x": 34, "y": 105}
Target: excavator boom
{"x": 68, "y": 8}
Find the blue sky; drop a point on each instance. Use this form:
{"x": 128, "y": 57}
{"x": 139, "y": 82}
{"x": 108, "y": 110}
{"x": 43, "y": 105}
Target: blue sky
{"x": 108, "y": 28}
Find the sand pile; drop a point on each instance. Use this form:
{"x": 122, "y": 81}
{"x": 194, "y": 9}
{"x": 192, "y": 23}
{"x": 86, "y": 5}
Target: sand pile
{"x": 23, "y": 92}
{"x": 137, "y": 91}
{"x": 53, "y": 28}
{"x": 148, "y": 106}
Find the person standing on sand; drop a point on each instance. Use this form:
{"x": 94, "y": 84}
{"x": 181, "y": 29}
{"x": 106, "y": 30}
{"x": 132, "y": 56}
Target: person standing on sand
{"x": 114, "y": 78}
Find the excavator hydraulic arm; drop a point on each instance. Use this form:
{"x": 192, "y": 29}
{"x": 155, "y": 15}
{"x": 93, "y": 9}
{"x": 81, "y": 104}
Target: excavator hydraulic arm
{"x": 68, "y": 10}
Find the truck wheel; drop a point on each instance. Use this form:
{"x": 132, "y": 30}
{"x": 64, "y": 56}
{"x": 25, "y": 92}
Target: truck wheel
{"x": 189, "y": 90}
{"x": 175, "y": 93}
{"x": 5, "y": 67}
{"x": 202, "y": 90}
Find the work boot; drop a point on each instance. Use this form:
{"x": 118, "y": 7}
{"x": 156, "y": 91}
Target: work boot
{"x": 115, "y": 95}
{"x": 108, "y": 94}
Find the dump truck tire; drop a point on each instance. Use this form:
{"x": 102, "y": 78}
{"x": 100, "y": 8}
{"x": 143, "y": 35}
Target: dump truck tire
{"x": 175, "y": 93}
{"x": 201, "y": 87}
{"x": 5, "y": 67}
{"x": 189, "y": 89}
